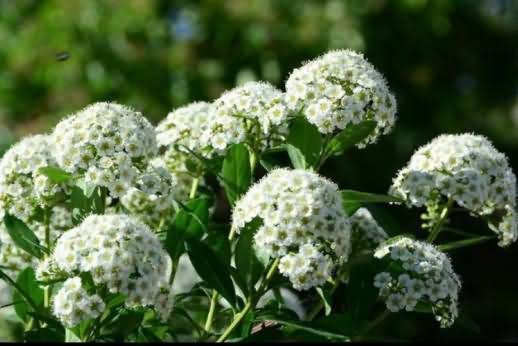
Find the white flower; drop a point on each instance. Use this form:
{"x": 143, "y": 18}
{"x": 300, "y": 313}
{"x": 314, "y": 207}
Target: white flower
{"x": 73, "y": 305}
{"x": 254, "y": 112}
{"x": 184, "y": 127}
{"x": 303, "y": 224}
{"x": 366, "y": 233}
{"x": 433, "y": 283}
{"x": 382, "y": 279}
{"x": 121, "y": 254}
{"x": 341, "y": 88}
{"x": 23, "y": 189}
{"x": 467, "y": 169}
{"x": 107, "y": 143}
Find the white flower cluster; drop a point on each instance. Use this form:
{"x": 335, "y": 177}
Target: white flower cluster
{"x": 23, "y": 189}
{"x": 107, "y": 143}
{"x": 122, "y": 254}
{"x": 151, "y": 197}
{"x": 418, "y": 273}
{"x": 366, "y": 234}
{"x": 73, "y": 305}
{"x": 469, "y": 170}
{"x": 303, "y": 224}
{"x": 341, "y": 88}
{"x": 184, "y": 127}
{"x": 254, "y": 112}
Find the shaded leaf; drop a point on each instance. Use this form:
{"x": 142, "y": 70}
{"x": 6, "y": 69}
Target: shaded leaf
{"x": 190, "y": 222}
{"x": 350, "y": 136}
{"x": 22, "y": 236}
{"x": 365, "y": 197}
{"x": 307, "y": 139}
{"x": 212, "y": 269}
{"x": 236, "y": 173}
{"x": 55, "y": 174}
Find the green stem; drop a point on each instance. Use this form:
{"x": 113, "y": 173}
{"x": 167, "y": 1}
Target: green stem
{"x": 438, "y": 226}
{"x": 210, "y": 316}
{"x": 232, "y": 233}
{"x": 465, "y": 243}
{"x": 194, "y": 187}
{"x": 235, "y": 322}
{"x": 47, "y": 288}
{"x": 316, "y": 310}
{"x": 373, "y": 324}
{"x": 252, "y": 301}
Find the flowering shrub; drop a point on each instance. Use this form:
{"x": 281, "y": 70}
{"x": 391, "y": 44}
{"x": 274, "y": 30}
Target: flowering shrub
{"x": 104, "y": 219}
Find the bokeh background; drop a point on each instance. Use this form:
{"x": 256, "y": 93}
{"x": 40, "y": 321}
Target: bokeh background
{"x": 453, "y": 66}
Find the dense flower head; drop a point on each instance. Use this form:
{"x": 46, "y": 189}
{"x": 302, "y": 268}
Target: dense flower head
{"x": 418, "y": 273}
{"x": 151, "y": 197}
{"x": 184, "y": 126}
{"x": 120, "y": 254}
{"x": 73, "y": 305}
{"x": 341, "y": 88}
{"x": 23, "y": 189}
{"x": 254, "y": 112}
{"x": 469, "y": 170}
{"x": 107, "y": 143}
{"x": 303, "y": 224}
{"x": 366, "y": 233}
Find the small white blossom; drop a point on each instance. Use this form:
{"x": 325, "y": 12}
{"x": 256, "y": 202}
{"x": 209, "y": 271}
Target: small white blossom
{"x": 418, "y": 273}
{"x": 184, "y": 127}
{"x": 121, "y": 254}
{"x": 303, "y": 224}
{"x": 23, "y": 189}
{"x": 254, "y": 112}
{"x": 73, "y": 305}
{"x": 469, "y": 170}
{"x": 107, "y": 143}
{"x": 341, "y": 88}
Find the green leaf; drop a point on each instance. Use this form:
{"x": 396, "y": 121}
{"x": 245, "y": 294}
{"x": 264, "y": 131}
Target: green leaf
{"x": 361, "y": 293}
{"x": 236, "y": 173}
{"x": 22, "y": 236}
{"x": 29, "y": 291}
{"x": 351, "y": 207}
{"x": 126, "y": 322}
{"x": 297, "y": 158}
{"x": 385, "y": 219}
{"x": 365, "y": 197}
{"x": 190, "y": 222}
{"x": 218, "y": 242}
{"x": 350, "y": 136}
{"x": 55, "y": 174}
{"x": 271, "y": 159}
{"x": 45, "y": 335}
{"x": 306, "y": 326}
{"x": 249, "y": 268}
{"x": 326, "y": 299}
{"x": 307, "y": 139}
{"x": 88, "y": 200}
{"x": 211, "y": 269}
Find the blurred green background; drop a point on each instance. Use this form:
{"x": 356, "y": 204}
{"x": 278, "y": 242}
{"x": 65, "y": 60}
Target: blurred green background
{"x": 453, "y": 66}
